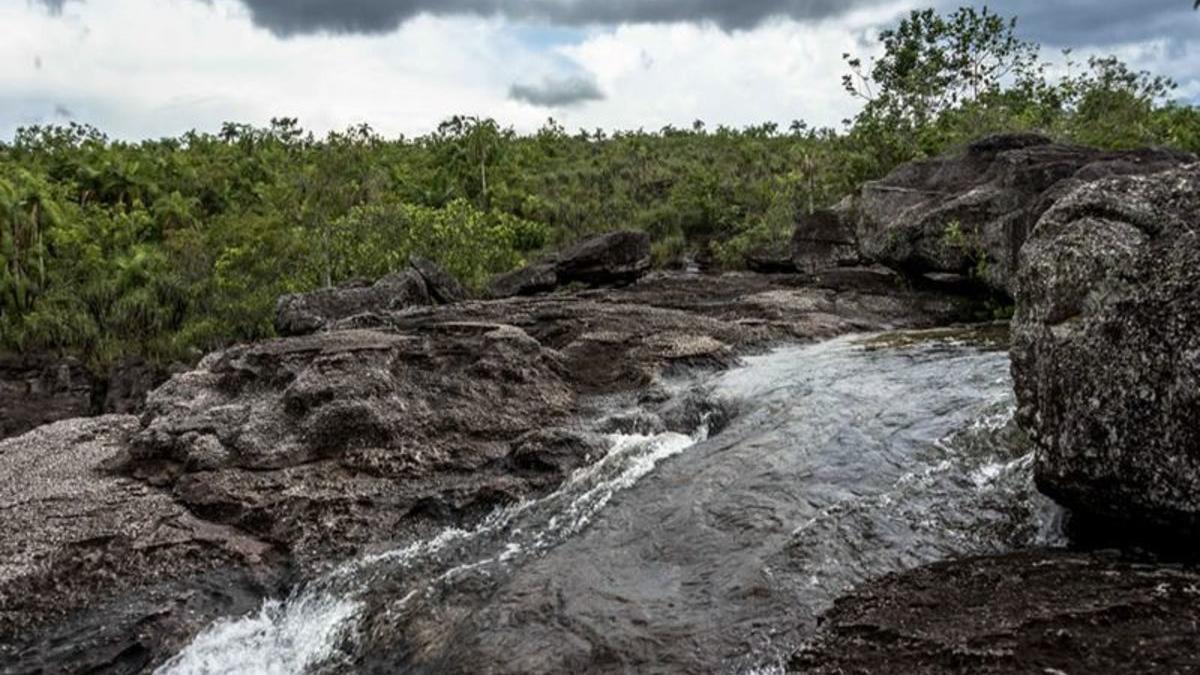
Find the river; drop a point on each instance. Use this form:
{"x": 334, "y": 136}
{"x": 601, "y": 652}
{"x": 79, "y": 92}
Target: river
{"x": 693, "y": 552}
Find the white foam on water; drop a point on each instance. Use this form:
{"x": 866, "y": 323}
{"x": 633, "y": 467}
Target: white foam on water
{"x": 282, "y": 638}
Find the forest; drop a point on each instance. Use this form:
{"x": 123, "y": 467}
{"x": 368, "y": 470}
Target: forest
{"x": 172, "y": 247}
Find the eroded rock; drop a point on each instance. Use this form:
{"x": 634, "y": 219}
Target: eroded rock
{"x": 1106, "y": 349}
{"x": 442, "y": 285}
{"x": 327, "y": 442}
{"x": 822, "y": 241}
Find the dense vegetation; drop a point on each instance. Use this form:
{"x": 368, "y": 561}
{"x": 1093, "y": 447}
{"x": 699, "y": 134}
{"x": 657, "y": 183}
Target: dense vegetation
{"x": 169, "y": 247}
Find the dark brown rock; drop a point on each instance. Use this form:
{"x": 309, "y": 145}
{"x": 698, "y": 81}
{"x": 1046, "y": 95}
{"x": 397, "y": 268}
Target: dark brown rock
{"x": 971, "y": 213}
{"x": 442, "y": 285}
{"x": 39, "y": 389}
{"x": 770, "y": 259}
{"x": 824, "y": 240}
{"x": 129, "y": 382}
{"x": 609, "y": 259}
{"x": 1030, "y": 612}
{"x": 324, "y": 443}
{"x": 304, "y": 313}
{"x": 536, "y": 278}
{"x": 1106, "y": 349}
{"x": 606, "y": 259}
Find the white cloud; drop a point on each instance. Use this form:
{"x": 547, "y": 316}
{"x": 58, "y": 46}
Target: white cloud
{"x": 139, "y": 68}
{"x": 143, "y": 68}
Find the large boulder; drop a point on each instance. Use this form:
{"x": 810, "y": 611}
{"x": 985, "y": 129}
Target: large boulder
{"x": 304, "y": 313}
{"x": 971, "y": 213}
{"x": 609, "y": 259}
{"x": 1106, "y": 349}
{"x": 122, "y": 537}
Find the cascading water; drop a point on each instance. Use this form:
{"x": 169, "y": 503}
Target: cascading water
{"x": 685, "y": 553}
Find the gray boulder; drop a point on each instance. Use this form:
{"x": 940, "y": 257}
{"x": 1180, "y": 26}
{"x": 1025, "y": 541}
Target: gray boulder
{"x": 304, "y": 313}
{"x": 1106, "y": 349}
{"x": 971, "y": 213}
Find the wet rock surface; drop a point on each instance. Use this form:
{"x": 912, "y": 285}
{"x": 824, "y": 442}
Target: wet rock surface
{"x": 1041, "y": 611}
{"x": 1106, "y": 350}
{"x": 972, "y": 213}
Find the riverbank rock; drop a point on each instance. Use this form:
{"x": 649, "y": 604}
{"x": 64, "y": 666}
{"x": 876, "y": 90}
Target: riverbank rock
{"x": 1028, "y": 612}
{"x": 43, "y": 388}
{"x": 971, "y": 213}
{"x": 39, "y": 389}
{"x": 540, "y": 277}
{"x": 1106, "y": 349}
{"x": 822, "y": 241}
{"x": 609, "y": 259}
{"x": 77, "y": 537}
{"x": 304, "y": 313}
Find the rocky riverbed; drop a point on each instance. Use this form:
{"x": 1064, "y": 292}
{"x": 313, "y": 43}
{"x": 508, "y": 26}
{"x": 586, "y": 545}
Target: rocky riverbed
{"x": 602, "y": 469}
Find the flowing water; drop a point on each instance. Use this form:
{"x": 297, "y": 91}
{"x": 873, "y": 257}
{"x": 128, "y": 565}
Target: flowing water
{"x": 688, "y": 553}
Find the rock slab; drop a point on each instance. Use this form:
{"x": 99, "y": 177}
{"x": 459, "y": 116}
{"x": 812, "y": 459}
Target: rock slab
{"x": 1028, "y": 612}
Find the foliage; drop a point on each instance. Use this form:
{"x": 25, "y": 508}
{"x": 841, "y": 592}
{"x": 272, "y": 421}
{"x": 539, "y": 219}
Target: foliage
{"x": 167, "y": 248}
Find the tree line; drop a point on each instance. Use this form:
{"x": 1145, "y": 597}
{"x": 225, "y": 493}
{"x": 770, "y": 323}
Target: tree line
{"x": 167, "y": 248}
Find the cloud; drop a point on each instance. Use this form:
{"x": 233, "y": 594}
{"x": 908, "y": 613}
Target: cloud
{"x": 293, "y": 17}
{"x": 61, "y": 110}
{"x": 557, "y": 92}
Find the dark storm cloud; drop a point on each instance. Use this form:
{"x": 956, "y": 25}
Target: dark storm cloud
{"x": 1089, "y": 23}
{"x": 55, "y": 6}
{"x": 290, "y": 17}
{"x": 554, "y": 93}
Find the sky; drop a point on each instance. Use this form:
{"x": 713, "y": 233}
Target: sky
{"x": 151, "y": 68}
